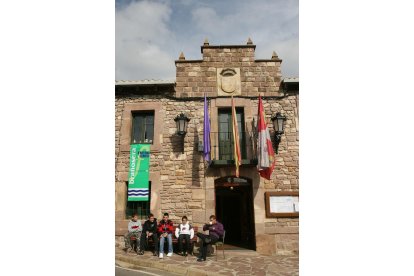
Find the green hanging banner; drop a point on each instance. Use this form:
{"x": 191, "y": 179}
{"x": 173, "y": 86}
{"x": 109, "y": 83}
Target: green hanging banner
{"x": 138, "y": 179}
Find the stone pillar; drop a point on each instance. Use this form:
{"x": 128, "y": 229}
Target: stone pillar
{"x": 156, "y": 187}
{"x": 210, "y": 198}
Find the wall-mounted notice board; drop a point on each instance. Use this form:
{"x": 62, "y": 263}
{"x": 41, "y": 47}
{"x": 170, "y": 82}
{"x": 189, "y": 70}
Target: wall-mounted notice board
{"x": 282, "y": 204}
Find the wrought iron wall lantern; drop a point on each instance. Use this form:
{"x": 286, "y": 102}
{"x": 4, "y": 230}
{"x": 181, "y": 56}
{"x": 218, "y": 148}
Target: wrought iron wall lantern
{"x": 278, "y": 124}
{"x": 182, "y": 124}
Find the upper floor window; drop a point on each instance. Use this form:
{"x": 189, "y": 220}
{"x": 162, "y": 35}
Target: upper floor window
{"x": 142, "y": 127}
{"x": 225, "y": 134}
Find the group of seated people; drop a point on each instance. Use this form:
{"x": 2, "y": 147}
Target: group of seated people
{"x": 164, "y": 230}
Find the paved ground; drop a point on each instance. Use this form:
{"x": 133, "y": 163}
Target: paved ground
{"x": 126, "y": 269}
{"x": 241, "y": 262}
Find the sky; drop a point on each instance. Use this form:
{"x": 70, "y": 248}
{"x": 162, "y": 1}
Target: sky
{"x": 149, "y": 35}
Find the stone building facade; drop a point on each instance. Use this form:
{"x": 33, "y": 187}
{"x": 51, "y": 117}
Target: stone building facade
{"x": 181, "y": 182}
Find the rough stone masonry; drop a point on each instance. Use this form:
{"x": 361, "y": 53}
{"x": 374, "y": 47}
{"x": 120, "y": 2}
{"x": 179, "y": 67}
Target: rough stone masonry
{"x": 181, "y": 183}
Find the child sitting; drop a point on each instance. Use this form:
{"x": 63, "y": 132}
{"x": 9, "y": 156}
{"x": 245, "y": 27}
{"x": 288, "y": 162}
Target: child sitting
{"x": 184, "y": 231}
{"x": 134, "y": 230}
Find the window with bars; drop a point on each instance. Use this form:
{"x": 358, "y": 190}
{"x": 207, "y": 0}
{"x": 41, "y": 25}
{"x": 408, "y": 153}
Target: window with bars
{"x": 142, "y": 127}
{"x": 225, "y": 134}
{"x": 142, "y": 208}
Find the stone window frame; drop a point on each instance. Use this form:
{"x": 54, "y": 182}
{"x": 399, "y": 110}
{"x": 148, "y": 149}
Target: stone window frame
{"x": 218, "y": 103}
{"x": 145, "y": 128}
{"x": 126, "y": 124}
{"x": 245, "y": 104}
{"x": 149, "y": 201}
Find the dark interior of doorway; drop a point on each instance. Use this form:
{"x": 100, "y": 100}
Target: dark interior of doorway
{"x": 234, "y": 208}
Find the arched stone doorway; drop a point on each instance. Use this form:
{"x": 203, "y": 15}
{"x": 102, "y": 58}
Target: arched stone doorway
{"x": 234, "y": 208}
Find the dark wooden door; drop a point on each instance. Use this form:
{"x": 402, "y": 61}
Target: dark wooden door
{"x": 234, "y": 208}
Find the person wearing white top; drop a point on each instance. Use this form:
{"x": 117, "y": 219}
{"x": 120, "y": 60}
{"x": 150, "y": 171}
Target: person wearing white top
{"x": 184, "y": 231}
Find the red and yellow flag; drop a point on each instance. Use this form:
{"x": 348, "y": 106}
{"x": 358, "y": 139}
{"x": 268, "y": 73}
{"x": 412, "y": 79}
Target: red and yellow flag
{"x": 237, "y": 155}
{"x": 266, "y": 160}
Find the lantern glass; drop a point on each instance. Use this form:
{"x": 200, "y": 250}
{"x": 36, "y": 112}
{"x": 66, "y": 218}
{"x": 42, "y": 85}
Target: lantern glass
{"x": 280, "y": 124}
{"x": 275, "y": 126}
{"x": 182, "y": 123}
{"x": 185, "y": 125}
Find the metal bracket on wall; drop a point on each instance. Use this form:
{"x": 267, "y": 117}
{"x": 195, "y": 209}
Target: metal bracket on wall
{"x": 200, "y": 146}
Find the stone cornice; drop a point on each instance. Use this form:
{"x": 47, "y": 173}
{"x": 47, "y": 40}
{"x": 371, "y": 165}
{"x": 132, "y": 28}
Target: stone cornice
{"x": 188, "y": 61}
{"x": 226, "y": 46}
{"x": 268, "y": 60}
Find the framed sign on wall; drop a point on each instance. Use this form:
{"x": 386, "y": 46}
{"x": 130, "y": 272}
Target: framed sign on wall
{"x": 282, "y": 204}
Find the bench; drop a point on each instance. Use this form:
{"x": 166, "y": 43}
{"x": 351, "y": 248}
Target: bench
{"x": 134, "y": 244}
{"x": 175, "y": 239}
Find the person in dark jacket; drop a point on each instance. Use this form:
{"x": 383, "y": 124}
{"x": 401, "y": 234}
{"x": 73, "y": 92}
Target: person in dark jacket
{"x": 216, "y": 230}
{"x": 165, "y": 230}
{"x": 149, "y": 231}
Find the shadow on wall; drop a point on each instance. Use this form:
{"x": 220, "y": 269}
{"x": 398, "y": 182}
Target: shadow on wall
{"x": 190, "y": 140}
{"x": 197, "y": 160}
{"x": 176, "y": 144}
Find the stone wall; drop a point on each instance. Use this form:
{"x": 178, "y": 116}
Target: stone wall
{"x": 178, "y": 171}
{"x": 196, "y": 77}
{"x": 181, "y": 175}
{"x": 179, "y": 182}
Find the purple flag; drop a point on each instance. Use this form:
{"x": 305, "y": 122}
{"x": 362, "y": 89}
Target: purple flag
{"x": 206, "y": 134}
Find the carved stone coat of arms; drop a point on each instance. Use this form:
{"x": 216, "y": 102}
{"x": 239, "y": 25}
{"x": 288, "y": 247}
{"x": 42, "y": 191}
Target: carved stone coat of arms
{"x": 228, "y": 81}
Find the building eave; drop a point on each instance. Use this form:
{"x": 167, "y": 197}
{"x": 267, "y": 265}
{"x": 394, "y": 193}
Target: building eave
{"x": 144, "y": 82}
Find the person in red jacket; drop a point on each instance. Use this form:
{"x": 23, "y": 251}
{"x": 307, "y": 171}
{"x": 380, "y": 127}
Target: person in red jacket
{"x": 165, "y": 230}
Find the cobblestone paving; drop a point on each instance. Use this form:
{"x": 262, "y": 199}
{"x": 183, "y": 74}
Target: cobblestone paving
{"x": 235, "y": 263}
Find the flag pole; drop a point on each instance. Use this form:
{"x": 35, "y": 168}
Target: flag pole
{"x": 204, "y": 156}
{"x": 205, "y": 182}
{"x": 236, "y": 142}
